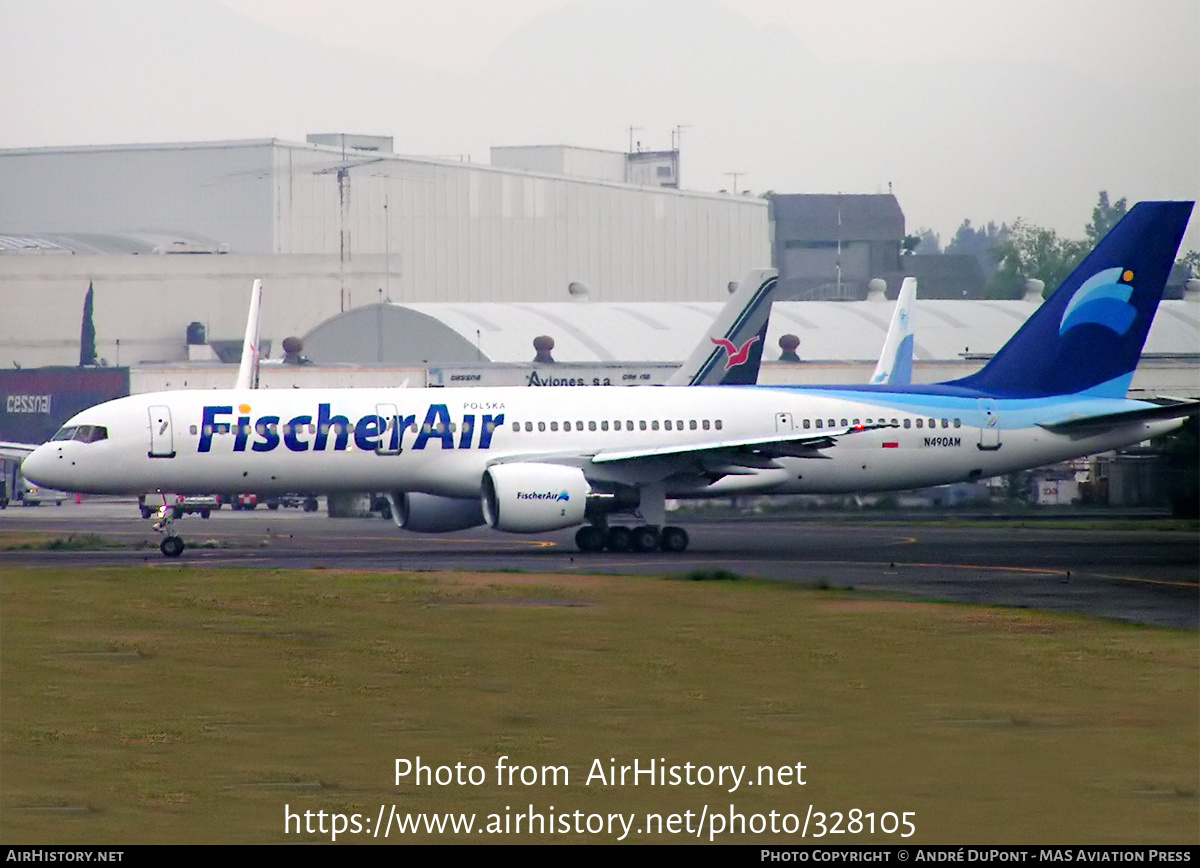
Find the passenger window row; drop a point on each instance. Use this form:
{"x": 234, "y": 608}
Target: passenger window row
{"x": 621, "y": 425}
{"x": 339, "y": 428}
{"x": 908, "y": 422}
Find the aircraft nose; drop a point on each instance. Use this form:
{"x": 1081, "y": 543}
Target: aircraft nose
{"x": 45, "y": 466}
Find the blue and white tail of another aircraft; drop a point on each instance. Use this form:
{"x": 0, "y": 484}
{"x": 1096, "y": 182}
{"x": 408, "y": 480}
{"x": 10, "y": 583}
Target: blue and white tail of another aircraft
{"x": 896, "y": 359}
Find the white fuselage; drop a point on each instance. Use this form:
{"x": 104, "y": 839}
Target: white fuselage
{"x": 440, "y": 441}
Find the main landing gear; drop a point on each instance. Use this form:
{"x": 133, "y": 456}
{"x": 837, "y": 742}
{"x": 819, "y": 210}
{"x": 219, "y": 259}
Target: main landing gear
{"x": 647, "y": 538}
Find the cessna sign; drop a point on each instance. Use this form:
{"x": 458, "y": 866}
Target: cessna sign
{"x": 27, "y": 404}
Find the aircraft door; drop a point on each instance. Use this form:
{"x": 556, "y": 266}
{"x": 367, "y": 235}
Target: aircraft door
{"x": 989, "y": 429}
{"x": 162, "y": 434}
{"x": 783, "y": 423}
{"x": 389, "y": 437}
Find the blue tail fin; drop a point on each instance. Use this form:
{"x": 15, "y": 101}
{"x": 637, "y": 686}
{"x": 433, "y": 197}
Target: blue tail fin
{"x": 1088, "y": 335}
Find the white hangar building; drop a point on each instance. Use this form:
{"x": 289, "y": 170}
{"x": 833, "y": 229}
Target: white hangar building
{"x": 338, "y": 222}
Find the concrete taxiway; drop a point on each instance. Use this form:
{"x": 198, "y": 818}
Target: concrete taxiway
{"x": 1141, "y": 576}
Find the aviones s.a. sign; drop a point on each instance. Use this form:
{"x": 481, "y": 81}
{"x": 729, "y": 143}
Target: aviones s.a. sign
{"x": 326, "y": 431}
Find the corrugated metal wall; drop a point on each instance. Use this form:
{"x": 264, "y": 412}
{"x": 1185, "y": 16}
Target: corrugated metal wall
{"x": 219, "y": 191}
{"x": 463, "y": 232}
{"x": 448, "y": 231}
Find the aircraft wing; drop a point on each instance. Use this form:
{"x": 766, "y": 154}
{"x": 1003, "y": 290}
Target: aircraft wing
{"x": 16, "y": 451}
{"x": 1107, "y": 420}
{"x": 749, "y": 452}
{"x": 794, "y": 444}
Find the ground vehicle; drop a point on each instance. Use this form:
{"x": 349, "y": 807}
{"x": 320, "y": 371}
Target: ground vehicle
{"x": 35, "y": 495}
{"x": 293, "y": 501}
{"x": 241, "y": 501}
{"x": 180, "y": 504}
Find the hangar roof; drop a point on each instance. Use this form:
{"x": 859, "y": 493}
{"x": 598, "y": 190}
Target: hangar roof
{"x": 444, "y": 333}
{"x": 92, "y": 243}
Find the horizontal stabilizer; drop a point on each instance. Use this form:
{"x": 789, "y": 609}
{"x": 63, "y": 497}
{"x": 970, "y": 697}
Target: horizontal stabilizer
{"x": 1141, "y": 414}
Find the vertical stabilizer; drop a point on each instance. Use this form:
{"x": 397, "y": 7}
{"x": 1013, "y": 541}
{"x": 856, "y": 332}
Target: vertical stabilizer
{"x": 247, "y": 376}
{"x": 1087, "y": 337}
{"x": 896, "y": 359}
{"x": 730, "y": 352}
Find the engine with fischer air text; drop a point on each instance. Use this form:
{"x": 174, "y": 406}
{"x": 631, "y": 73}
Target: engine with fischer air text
{"x": 528, "y": 497}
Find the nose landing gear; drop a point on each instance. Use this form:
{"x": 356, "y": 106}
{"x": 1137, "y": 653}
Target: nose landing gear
{"x": 172, "y": 545}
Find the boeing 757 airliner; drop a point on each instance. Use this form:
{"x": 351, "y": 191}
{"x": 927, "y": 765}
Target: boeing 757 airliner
{"x": 534, "y": 460}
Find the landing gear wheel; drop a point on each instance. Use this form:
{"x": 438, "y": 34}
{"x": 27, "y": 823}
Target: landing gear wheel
{"x": 674, "y": 539}
{"x": 171, "y": 546}
{"x": 645, "y": 538}
{"x": 619, "y": 539}
{"x": 590, "y": 538}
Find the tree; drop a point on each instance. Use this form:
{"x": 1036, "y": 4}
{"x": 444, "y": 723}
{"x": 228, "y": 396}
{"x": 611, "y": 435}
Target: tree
{"x": 1104, "y": 217}
{"x": 1181, "y": 449}
{"x": 924, "y": 242}
{"x": 980, "y": 243}
{"x": 87, "y": 334}
{"x": 1033, "y": 252}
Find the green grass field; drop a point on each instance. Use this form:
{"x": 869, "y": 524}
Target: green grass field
{"x": 174, "y": 704}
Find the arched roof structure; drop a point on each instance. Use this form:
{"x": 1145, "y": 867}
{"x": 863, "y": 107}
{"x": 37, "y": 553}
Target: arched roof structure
{"x": 590, "y": 332}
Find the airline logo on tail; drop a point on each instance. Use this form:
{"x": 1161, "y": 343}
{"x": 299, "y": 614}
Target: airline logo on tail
{"x": 1102, "y": 300}
{"x": 735, "y": 355}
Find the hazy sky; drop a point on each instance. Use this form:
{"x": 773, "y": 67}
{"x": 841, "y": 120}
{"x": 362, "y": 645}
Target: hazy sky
{"x": 987, "y": 111}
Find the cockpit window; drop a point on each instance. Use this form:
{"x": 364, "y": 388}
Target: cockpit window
{"x": 91, "y": 433}
{"x": 82, "y": 433}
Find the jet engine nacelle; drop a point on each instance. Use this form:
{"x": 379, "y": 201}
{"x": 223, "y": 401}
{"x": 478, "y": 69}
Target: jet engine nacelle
{"x": 429, "y": 513}
{"x": 531, "y": 498}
